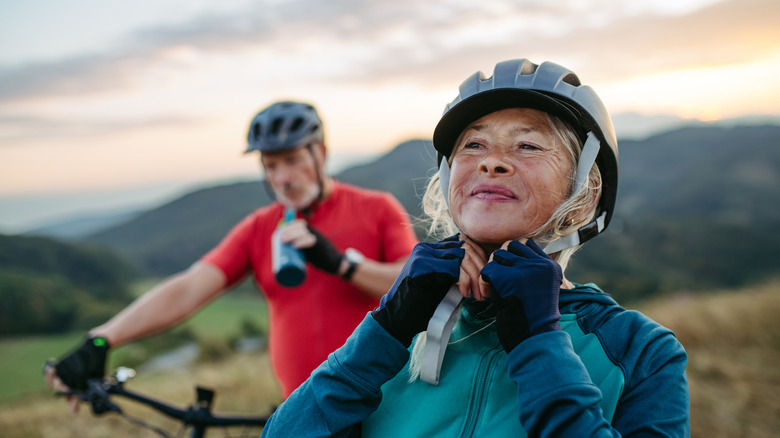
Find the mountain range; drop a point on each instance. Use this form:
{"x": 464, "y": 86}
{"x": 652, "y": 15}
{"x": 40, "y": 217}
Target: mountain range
{"x": 698, "y": 208}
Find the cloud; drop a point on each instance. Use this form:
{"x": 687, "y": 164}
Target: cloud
{"x": 726, "y": 33}
{"x": 73, "y": 76}
{"x": 15, "y": 129}
{"x": 426, "y": 44}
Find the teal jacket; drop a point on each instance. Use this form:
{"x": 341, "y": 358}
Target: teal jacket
{"x": 610, "y": 372}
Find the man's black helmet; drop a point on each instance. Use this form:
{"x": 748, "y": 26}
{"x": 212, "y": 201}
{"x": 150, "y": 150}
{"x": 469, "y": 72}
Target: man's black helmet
{"x": 547, "y": 87}
{"x": 284, "y": 125}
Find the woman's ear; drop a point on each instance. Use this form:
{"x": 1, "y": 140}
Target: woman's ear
{"x": 585, "y": 211}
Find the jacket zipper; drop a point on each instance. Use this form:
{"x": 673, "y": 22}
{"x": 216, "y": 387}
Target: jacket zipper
{"x": 480, "y": 389}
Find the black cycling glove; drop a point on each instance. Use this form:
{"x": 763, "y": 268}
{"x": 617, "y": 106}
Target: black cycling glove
{"x": 423, "y": 282}
{"x": 323, "y": 255}
{"x": 88, "y": 361}
{"x": 527, "y": 283}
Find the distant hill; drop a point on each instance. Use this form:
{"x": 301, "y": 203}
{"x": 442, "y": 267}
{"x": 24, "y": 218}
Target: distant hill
{"x": 698, "y": 207}
{"x": 404, "y": 172}
{"x": 77, "y": 228}
{"x": 47, "y": 286}
{"x": 703, "y": 173}
{"x": 171, "y": 237}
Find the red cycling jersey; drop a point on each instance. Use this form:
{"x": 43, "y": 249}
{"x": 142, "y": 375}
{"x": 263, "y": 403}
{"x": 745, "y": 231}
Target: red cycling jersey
{"x": 309, "y": 321}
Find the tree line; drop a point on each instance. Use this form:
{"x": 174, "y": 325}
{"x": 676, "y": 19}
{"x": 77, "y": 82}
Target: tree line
{"x": 47, "y": 286}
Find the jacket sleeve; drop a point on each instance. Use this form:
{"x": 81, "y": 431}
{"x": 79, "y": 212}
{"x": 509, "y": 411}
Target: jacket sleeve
{"x": 557, "y": 397}
{"x": 655, "y": 401}
{"x": 344, "y": 389}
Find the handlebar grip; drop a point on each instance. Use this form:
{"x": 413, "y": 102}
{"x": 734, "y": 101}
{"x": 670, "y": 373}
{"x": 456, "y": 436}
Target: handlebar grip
{"x": 97, "y": 396}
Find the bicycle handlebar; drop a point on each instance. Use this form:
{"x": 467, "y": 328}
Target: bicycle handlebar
{"x": 98, "y": 391}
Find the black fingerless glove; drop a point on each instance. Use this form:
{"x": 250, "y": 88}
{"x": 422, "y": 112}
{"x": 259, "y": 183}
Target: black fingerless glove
{"x": 423, "y": 282}
{"x": 88, "y": 361}
{"x": 323, "y": 255}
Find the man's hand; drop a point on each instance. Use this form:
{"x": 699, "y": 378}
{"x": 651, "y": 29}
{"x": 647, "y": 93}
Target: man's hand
{"x": 54, "y": 382}
{"x": 428, "y": 274}
{"x": 317, "y": 249}
{"x": 88, "y": 361}
{"x": 527, "y": 283}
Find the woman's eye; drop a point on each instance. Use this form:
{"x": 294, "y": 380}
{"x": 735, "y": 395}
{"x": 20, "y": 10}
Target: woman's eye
{"x": 471, "y": 145}
{"x": 528, "y": 146}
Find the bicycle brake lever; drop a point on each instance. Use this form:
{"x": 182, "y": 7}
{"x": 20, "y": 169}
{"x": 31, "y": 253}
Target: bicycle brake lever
{"x": 97, "y": 396}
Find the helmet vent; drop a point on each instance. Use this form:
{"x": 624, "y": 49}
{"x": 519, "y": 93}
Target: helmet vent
{"x": 283, "y": 126}
{"x": 572, "y": 79}
{"x": 296, "y": 124}
{"x": 275, "y": 126}
{"x": 528, "y": 68}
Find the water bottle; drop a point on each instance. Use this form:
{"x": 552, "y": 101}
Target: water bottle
{"x": 288, "y": 263}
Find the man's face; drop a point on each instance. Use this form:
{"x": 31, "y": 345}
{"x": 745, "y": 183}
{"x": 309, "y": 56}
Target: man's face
{"x": 293, "y": 174}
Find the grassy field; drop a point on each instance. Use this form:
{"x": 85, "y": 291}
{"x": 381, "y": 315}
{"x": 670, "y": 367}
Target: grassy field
{"x": 244, "y": 385}
{"x": 732, "y": 339}
{"x": 21, "y": 358}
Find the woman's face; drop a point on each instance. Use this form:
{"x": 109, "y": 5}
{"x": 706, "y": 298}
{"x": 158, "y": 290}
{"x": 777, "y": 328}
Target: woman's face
{"x": 508, "y": 175}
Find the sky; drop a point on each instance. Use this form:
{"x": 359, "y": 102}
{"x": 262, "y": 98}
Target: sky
{"x": 117, "y": 105}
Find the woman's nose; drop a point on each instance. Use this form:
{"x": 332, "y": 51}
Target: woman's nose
{"x": 495, "y": 163}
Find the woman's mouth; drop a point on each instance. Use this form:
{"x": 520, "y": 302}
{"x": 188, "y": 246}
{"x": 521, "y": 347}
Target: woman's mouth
{"x": 492, "y": 193}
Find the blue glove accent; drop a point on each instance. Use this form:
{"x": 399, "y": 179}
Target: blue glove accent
{"x": 526, "y": 283}
{"x": 423, "y": 282}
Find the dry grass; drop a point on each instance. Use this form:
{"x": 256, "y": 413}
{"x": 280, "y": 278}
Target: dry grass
{"x": 244, "y": 385}
{"x": 732, "y": 339}
{"x": 733, "y": 345}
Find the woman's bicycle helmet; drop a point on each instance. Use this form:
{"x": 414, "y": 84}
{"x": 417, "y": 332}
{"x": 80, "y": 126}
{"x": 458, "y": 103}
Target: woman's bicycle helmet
{"x": 284, "y": 125}
{"x": 550, "y": 88}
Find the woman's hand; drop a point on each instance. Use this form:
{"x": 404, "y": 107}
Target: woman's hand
{"x": 470, "y": 282}
{"x": 527, "y": 282}
{"x": 429, "y": 272}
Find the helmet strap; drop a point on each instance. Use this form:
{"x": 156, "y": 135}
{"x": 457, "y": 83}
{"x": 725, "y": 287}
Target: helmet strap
{"x": 444, "y": 180}
{"x": 268, "y": 189}
{"x": 590, "y": 150}
{"x": 306, "y": 211}
{"x": 438, "y": 335}
{"x": 443, "y": 320}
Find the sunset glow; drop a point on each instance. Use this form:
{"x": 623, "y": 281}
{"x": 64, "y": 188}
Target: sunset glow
{"x": 159, "y": 94}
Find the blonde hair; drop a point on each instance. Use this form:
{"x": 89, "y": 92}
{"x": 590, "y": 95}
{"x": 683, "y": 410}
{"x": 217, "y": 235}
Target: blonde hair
{"x": 576, "y": 211}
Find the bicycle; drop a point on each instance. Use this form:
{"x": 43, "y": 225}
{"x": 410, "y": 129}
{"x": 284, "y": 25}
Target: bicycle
{"x": 197, "y": 416}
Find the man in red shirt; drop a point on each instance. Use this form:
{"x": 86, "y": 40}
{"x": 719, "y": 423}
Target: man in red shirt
{"x": 355, "y": 242}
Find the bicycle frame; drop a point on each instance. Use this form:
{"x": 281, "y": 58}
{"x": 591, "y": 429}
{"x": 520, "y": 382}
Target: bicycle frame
{"x": 198, "y": 415}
